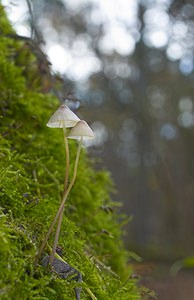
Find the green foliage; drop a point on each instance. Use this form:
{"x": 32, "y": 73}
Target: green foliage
{"x": 185, "y": 263}
{"x": 32, "y": 171}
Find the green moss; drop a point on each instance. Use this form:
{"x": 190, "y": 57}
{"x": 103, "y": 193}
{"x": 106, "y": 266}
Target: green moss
{"x": 32, "y": 161}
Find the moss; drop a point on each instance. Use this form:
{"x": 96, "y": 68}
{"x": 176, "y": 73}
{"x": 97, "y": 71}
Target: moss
{"x": 32, "y": 171}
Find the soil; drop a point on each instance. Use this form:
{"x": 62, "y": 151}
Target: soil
{"x": 166, "y": 286}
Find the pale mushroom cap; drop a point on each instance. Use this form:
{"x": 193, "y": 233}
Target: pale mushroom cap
{"x": 81, "y": 130}
{"x": 63, "y": 117}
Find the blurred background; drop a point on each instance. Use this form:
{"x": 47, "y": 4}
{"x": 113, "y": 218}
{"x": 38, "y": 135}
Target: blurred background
{"x": 131, "y": 64}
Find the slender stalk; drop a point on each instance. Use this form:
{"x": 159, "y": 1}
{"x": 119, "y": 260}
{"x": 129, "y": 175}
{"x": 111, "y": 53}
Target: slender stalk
{"x": 67, "y": 159}
{"x": 61, "y": 208}
{"x": 66, "y": 179}
{"x": 46, "y": 239}
{"x": 65, "y": 188}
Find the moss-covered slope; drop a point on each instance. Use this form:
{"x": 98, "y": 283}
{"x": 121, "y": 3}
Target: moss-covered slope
{"x": 32, "y": 162}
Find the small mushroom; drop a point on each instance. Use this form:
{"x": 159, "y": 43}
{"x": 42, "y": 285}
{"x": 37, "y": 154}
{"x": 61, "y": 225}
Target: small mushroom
{"x": 81, "y": 131}
{"x": 63, "y": 118}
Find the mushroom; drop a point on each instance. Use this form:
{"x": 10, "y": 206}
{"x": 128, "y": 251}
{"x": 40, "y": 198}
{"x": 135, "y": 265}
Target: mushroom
{"x": 62, "y": 118}
{"x": 81, "y": 131}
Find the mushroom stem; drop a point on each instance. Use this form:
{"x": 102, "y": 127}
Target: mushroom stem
{"x": 61, "y": 208}
{"x": 65, "y": 188}
{"x": 65, "y": 195}
{"x": 67, "y": 159}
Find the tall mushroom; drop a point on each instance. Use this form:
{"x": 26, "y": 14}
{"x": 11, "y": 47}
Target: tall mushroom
{"x": 62, "y": 118}
{"x": 81, "y": 131}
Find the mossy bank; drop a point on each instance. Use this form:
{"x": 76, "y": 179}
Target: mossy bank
{"x": 32, "y": 160}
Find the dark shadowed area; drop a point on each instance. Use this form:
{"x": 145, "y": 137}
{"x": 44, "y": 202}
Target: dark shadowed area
{"x": 131, "y": 65}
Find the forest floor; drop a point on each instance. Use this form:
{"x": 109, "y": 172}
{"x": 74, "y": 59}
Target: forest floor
{"x": 168, "y": 287}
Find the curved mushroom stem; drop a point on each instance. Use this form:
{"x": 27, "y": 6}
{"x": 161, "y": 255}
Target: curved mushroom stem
{"x": 61, "y": 208}
{"x": 65, "y": 188}
{"x": 66, "y": 181}
{"x": 67, "y": 159}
